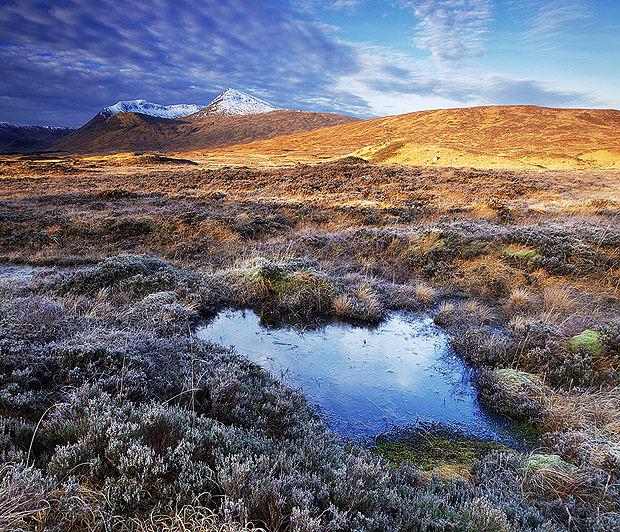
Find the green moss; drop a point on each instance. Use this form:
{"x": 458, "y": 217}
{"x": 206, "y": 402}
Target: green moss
{"x": 427, "y": 244}
{"x": 514, "y": 377}
{"x": 272, "y": 276}
{"x": 291, "y": 287}
{"x": 439, "y": 245}
{"x": 537, "y": 463}
{"x": 521, "y": 254}
{"x": 530, "y": 432}
{"x": 588, "y": 341}
{"x": 432, "y": 453}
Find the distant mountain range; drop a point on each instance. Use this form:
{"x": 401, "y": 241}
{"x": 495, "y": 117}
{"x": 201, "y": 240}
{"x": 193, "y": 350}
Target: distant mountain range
{"x": 14, "y": 138}
{"x": 232, "y": 117}
{"x": 511, "y": 137}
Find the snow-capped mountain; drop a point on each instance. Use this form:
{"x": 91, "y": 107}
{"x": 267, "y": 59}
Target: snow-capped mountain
{"x": 148, "y": 108}
{"x": 232, "y": 102}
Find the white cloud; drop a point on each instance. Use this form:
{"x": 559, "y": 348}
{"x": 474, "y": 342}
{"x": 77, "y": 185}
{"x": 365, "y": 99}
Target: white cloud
{"x": 451, "y": 30}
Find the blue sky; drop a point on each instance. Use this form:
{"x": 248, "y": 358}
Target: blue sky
{"x": 62, "y": 60}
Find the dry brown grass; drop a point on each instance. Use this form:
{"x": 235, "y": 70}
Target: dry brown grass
{"x": 185, "y": 519}
{"x": 561, "y": 305}
{"x": 477, "y": 311}
{"x": 425, "y": 294}
{"x": 482, "y": 137}
{"x": 596, "y": 412}
{"x": 520, "y": 301}
{"x": 487, "y": 276}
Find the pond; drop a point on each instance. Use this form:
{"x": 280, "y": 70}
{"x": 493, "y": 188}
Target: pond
{"x": 366, "y": 380}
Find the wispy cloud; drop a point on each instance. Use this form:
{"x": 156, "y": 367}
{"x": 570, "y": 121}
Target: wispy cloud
{"x": 394, "y": 82}
{"x": 451, "y": 30}
{"x": 556, "y": 16}
{"x": 544, "y": 20}
{"x": 61, "y": 60}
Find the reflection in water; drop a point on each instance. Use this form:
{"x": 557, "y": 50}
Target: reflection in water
{"x": 365, "y": 381}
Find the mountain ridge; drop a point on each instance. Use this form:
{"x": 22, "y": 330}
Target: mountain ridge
{"x": 140, "y": 132}
{"x": 149, "y": 108}
{"x": 232, "y": 102}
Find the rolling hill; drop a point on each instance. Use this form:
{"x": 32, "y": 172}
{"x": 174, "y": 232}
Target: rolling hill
{"x": 511, "y": 137}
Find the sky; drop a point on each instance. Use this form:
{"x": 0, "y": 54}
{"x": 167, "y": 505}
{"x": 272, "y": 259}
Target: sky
{"x": 63, "y": 60}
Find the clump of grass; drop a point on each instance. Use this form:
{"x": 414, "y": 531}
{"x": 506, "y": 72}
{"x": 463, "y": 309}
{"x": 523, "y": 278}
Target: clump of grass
{"x": 427, "y": 244}
{"x": 520, "y": 301}
{"x": 559, "y": 302}
{"x": 426, "y": 251}
{"x": 425, "y": 294}
{"x": 487, "y": 277}
{"x": 292, "y": 288}
{"x": 476, "y": 312}
{"x": 549, "y": 475}
{"x": 521, "y": 256}
{"x": 481, "y": 345}
{"x": 446, "y": 314}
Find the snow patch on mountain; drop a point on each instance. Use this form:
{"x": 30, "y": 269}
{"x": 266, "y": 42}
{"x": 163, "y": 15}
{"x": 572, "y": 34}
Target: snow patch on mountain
{"x": 232, "y": 102}
{"x": 148, "y": 108}
{"x": 51, "y": 129}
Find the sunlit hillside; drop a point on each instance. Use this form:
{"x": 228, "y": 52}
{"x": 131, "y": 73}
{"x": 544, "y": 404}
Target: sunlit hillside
{"x": 501, "y": 137}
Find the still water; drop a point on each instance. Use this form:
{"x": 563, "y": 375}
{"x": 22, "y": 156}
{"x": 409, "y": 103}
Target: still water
{"x": 365, "y": 381}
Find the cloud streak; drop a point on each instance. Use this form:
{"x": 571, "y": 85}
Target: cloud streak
{"x": 62, "y": 60}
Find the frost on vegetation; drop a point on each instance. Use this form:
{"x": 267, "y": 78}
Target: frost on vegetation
{"x": 514, "y": 393}
{"x": 106, "y": 421}
{"x": 538, "y": 463}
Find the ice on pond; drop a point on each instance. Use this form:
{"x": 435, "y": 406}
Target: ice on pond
{"x": 365, "y": 381}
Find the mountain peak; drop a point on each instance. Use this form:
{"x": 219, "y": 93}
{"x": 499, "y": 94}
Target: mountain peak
{"x": 148, "y": 108}
{"x": 232, "y": 102}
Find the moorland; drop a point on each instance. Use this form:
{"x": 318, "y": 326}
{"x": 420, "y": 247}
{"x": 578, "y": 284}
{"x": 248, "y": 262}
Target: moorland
{"x": 114, "y": 415}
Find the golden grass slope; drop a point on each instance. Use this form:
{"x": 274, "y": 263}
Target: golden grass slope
{"x": 501, "y": 137}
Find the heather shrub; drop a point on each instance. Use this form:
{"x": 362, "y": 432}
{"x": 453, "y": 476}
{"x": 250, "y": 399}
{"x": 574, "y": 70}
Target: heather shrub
{"x": 162, "y": 312}
{"x": 118, "y": 424}
{"x": 482, "y": 345}
{"x": 486, "y": 277}
{"x": 133, "y": 276}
